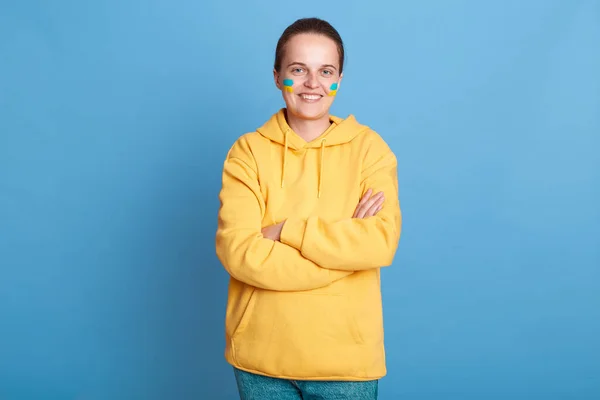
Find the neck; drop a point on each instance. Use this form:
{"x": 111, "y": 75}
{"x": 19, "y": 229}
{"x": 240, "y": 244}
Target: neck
{"x": 308, "y": 130}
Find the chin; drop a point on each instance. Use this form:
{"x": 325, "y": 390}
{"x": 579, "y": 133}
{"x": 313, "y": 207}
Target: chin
{"x": 309, "y": 113}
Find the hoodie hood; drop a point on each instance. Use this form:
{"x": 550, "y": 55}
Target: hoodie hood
{"x": 341, "y": 131}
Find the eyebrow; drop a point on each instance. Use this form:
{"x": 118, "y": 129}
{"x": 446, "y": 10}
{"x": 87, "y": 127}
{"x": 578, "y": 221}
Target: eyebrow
{"x": 304, "y": 65}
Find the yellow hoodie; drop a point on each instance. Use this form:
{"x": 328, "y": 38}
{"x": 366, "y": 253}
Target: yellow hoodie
{"x": 307, "y": 306}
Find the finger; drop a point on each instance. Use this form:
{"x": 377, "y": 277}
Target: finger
{"x": 360, "y": 212}
{"x": 363, "y": 209}
{"x": 378, "y": 208}
{"x": 365, "y": 197}
{"x": 375, "y": 208}
{"x": 366, "y": 206}
{"x": 362, "y": 201}
{"x": 372, "y": 206}
{"x": 373, "y": 200}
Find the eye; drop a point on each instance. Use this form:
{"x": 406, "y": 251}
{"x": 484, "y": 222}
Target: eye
{"x": 297, "y": 70}
{"x": 327, "y": 72}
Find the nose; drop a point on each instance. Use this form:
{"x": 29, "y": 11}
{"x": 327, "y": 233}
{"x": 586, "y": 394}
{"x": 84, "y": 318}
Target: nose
{"x": 311, "y": 81}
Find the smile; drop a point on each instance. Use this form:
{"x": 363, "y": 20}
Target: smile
{"x": 310, "y": 97}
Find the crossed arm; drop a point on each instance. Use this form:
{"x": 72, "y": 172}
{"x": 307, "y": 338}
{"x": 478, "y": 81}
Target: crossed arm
{"x": 303, "y": 254}
{"x": 368, "y": 206}
{"x": 368, "y": 240}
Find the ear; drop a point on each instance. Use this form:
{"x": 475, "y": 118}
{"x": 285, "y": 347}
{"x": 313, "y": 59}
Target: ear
{"x": 276, "y": 78}
{"x": 340, "y": 80}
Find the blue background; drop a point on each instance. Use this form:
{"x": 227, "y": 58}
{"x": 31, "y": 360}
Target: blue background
{"x": 115, "y": 118}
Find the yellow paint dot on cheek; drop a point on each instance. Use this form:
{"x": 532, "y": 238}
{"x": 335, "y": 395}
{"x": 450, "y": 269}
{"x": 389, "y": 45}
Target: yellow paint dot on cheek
{"x": 287, "y": 85}
{"x": 333, "y": 88}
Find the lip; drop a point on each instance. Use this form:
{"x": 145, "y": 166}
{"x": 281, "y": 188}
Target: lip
{"x": 317, "y": 95}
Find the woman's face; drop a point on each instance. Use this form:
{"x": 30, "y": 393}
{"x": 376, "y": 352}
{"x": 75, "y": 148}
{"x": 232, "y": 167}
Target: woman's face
{"x": 309, "y": 77}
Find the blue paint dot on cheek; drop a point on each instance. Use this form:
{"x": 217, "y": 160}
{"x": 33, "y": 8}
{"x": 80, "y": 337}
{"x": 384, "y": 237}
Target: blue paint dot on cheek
{"x": 288, "y": 82}
{"x": 333, "y": 86}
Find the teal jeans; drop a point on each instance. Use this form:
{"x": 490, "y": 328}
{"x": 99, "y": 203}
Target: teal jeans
{"x": 258, "y": 387}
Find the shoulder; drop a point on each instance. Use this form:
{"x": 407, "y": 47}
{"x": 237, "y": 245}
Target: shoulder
{"x": 367, "y": 136}
{"x": 376, "y": 142}
{"x": 374, "y": 148}
{"x": 245, "y": 147}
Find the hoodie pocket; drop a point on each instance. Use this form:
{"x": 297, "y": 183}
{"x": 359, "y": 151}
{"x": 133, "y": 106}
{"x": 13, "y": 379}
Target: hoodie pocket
{"x": 246, "y": 315}
{"x": 286, "y": 332}
{"x": 356, "y": 330}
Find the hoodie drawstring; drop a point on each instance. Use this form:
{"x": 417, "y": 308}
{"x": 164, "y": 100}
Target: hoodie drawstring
{"x": 322, "y": 162}
{"x": 285, "y": 149}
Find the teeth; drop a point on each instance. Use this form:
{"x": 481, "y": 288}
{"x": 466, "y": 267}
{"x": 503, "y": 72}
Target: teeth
{"x": 310, "y": 96}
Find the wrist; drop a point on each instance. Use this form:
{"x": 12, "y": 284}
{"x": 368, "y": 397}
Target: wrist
{"x": 281, "y": 225}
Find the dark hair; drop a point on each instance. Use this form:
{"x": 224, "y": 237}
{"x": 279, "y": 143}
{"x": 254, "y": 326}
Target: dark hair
{"x": 308, "y": 25}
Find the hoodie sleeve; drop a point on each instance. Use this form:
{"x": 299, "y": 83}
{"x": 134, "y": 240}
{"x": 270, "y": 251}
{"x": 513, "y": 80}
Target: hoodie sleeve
{"x": 244, "y": 252}
{"x": 354, "y": 244}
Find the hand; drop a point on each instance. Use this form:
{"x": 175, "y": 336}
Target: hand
{"x": 273, "y": 232}
{"x": 369, "y": 205}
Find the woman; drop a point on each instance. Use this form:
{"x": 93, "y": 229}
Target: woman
{"x": 309, "y": 214}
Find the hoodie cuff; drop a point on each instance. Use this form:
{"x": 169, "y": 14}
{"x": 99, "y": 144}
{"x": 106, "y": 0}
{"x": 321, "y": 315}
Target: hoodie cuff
{"x": 292, "y": 233}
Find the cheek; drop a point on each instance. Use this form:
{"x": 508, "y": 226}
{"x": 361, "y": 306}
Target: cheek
{"x": 333, "y": 89}
{"x": 288, "y": 85}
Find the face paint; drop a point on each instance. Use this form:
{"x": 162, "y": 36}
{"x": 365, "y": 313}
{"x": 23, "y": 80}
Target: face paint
{"x": 287, "y": 85}
{"x": 333, "y": 89}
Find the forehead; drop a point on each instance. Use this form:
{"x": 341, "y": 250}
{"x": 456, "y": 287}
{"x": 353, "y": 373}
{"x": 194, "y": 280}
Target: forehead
{"x": 311, "y": 49}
